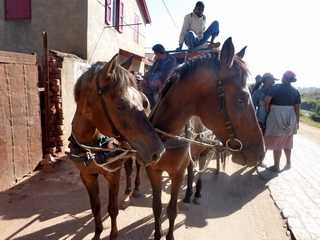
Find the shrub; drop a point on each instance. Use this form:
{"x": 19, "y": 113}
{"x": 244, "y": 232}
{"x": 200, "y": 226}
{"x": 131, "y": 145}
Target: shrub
{"x": 315, "y": 117}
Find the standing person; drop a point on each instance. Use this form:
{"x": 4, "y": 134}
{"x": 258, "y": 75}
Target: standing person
{"x": 283, "y": 100}
{"x": 258, "y": 98}
{"x": 193, "y": 32}
{"x": 159, "y": 72}
{"x": 253, "y": 87}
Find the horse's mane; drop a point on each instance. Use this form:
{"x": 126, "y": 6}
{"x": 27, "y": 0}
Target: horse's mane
{"x": 209, "y": 60}
{"x": 121, "y": 79}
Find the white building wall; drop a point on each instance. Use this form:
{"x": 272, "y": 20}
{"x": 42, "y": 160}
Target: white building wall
{"x": 103, "y": 41}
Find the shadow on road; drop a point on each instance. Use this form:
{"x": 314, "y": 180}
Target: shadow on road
{"x": 47, "y": 196}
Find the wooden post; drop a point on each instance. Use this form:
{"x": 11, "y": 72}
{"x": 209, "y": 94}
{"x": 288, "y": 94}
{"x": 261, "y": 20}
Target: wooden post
{"x": 45, "y": 74}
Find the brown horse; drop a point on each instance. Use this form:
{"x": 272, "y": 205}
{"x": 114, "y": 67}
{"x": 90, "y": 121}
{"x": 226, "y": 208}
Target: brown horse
{"x": 213, "y": 88}
{"x": 108, "y": 103}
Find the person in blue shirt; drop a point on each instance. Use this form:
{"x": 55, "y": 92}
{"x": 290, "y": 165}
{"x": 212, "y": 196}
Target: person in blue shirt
{"x": 258, "y": 99}
{"x": 159, "y": 72}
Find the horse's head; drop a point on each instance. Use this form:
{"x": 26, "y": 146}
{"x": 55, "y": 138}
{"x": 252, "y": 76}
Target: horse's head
{"x": 238, "y": 120}
{"x": 224, "y": 103}
{"x": 108, "y": 100}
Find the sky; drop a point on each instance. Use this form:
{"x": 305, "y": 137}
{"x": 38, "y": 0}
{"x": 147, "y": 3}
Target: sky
{"x": 280, "y": 34}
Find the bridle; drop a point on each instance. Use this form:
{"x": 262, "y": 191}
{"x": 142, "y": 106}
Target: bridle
{"x": 227, "y": 122}
{"x": 101, "y": 91}
{"x": 88, "y": 155}
{"x": 232, "y": 139}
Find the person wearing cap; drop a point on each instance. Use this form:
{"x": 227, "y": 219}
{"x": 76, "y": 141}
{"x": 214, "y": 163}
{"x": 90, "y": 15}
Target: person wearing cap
{"x": 258, "y": 98}
{"x": 256, "y": 85}
{"x": 283, "y": 102}
{"x": 194, "y": 32}
{"x": 160, "y": 71}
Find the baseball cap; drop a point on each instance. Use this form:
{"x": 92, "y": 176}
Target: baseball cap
{"x": 268, "y": 76}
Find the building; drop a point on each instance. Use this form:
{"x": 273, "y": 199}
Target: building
{"x": 91, "y": 29}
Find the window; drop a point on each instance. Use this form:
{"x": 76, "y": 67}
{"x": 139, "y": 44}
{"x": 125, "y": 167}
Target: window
{"x": 114, "y": 14}
{"x": 17, "y": 9}
{"x": 120, "y": 15}
{"x": 108, "y": 12}
{"x": 136, "y": 28}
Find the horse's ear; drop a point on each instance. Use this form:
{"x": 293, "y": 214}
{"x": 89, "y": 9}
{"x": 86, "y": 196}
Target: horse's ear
{"x": 227, "y": 53}
{"x": 127, "y": 64}
{"x": 111, "y": 64}
{"x": 242, "y": 52}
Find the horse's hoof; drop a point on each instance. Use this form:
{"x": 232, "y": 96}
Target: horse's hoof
{"x": 127, "y": 192}
{"x": 136, "y": 194}
{"x": 186, "y": 200}
{"x": 157, "y": 237}
{"x": 124, "y": 203}
{"x": 96, "y": 237}
{"x": 170, "y": 237}
{"x": 196, "y": 201}
{"x": 113, "y": 236}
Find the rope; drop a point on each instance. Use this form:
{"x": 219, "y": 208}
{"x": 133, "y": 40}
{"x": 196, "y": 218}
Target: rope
{"x": 127, "y": 153}
{"x": 214, "y": 146}
{"x": 100, "y": 149}
{"x": 217, "y": 143}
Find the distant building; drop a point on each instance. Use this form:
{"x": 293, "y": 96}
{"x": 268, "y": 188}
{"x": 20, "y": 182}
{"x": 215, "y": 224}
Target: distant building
{"x": 91, "y": 29}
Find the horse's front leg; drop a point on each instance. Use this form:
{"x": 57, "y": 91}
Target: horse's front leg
{"x": 190, "y": 177}
{"x": 128, "y": 170}
{"x": 204, "y": 157}
{"x": 113, "y": 208}
{"x": 172, "y": 206}
{"x": 197, "y": 195}
{"x": 156, "y": 183}
{"x": 92, "y": 186}
{"x": 136, "y": 191}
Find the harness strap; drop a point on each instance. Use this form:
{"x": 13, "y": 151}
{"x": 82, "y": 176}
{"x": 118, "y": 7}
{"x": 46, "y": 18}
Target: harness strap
{"x": 102, "y": 91}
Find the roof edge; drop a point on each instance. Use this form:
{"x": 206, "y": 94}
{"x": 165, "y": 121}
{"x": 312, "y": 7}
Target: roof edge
{"x": 145, "y": 10}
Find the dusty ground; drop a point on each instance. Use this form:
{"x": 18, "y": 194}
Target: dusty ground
{"x": 310, "y": 132}
{"x": 235, "y": 205}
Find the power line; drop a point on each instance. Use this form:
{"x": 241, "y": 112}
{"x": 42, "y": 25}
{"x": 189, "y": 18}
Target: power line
{"x": 170, "y": 15}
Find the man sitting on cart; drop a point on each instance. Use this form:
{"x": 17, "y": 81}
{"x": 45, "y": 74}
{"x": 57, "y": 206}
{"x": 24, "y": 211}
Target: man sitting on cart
{"x": 194, "y": 33}
{"x": 159, "y": 72}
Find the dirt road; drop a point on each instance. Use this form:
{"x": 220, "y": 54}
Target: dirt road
{"x": 235, "y": 205}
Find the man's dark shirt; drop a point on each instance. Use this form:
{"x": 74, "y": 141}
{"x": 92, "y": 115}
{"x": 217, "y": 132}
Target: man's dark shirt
{"x": 162, "y": 69}
{"x": 284, "y": 95}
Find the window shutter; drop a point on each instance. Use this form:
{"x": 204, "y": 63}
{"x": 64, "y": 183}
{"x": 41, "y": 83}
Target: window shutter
{"x": 17, "y": 9}
{"x": 136, "y": 29}
{"x": 108, "y": 12}
{"x": 121, "y": 16}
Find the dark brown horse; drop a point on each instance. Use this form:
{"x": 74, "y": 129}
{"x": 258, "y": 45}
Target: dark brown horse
{"x": 213, "y": 88}
{"x": 108, "y": 103}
